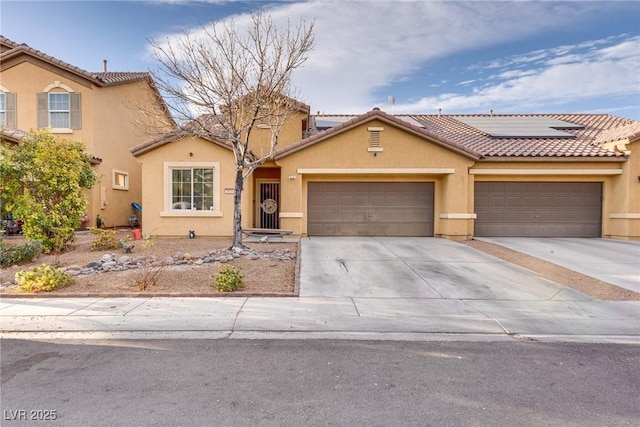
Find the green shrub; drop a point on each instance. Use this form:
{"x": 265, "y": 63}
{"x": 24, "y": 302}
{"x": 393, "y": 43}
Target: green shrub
{"x": 104, "y": 240}
{"x": 43, "y": 183}
{"x": 43, "y": 278}
{"x": 21, "y": 254}
{"x": 228, "y": 279}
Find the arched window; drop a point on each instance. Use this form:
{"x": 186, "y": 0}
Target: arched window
{"x": 59, "y": 107}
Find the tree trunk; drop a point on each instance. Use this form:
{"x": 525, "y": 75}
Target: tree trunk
{"x": 237, "y": 210}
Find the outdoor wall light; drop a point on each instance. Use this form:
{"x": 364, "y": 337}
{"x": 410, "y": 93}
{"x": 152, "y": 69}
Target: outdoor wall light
{"x": 292, "y": 177}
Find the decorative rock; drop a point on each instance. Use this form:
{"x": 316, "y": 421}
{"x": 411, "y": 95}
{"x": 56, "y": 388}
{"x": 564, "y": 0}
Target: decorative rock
{"x": 208, "y": 259}
{"x": 108, "y": 258}
{"x": 74, "y": 267}
{"x": 254, "y": 257}
{"x": 199, "y": 262}
{"x": 168, "y": 261}
{"x": 177, "y": 255}
{"x": 124, "y": 259}
{"x": 95, "y": 265}
{"x": 186, "y": 256}
{"x": 73, "y": 272}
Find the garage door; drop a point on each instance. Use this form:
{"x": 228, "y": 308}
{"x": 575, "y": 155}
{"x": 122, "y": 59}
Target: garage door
{"x": 538, "y": 209}
{"x": 370, "y": 209}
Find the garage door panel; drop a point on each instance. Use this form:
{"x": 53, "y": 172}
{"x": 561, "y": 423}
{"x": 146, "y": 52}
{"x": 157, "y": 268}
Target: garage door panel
{"x": 370, "y": 208}
{"x": 541, "y": 209}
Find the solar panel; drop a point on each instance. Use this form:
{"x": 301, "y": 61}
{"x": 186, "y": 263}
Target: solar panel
{"x": 326, "y": 122}
{"x": 520, "y": 127}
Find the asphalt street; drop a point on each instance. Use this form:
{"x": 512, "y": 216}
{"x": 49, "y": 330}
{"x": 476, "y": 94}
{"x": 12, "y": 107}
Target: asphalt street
{"x": 317, "y": 382}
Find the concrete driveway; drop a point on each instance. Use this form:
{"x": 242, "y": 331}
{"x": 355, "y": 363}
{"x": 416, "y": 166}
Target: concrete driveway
{"x": 612, "y": 261}
{"x": 408, "y": 267}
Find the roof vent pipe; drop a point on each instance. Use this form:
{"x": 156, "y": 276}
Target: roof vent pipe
{"x": 491, "y": 112}
{"x": 439, "y": 112}
{"x": 104, "y": 63}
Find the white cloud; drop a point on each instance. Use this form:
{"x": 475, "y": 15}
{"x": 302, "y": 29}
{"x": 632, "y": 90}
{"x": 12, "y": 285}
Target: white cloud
{"x": 363, "y": 46}
{"x": 608, "y": 71}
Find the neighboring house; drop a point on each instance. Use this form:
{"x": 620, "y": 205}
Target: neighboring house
{"x": 376, "y": 174}
{"x": 110, "y": 112}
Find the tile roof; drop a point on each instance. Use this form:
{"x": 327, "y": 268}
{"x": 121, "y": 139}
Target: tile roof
{"x": 630, "y": 132}
{"x": 173, "y": 136}
{"x": 595, "y": 129}
{"x": 582, "y": 143}
{"x": 379, "y": 115}
{"x": 11, "y": 49}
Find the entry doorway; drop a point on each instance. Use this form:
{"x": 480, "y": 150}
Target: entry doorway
{"x": 268, "y": 206}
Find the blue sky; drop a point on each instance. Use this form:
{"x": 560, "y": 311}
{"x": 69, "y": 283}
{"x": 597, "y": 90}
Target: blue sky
{"x": 460, "y": 56}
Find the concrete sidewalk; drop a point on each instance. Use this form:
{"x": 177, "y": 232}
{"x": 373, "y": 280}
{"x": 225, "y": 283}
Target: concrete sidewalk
{"x": 317, "y": 317}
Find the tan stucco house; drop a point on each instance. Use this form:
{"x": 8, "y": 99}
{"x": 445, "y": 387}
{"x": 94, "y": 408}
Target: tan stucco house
{"x": 110, "y": 112}
{"x": 451, "y": 176}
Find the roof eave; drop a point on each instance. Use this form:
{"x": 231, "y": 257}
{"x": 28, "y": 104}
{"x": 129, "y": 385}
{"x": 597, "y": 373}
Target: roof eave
{"x": 576, "y": 159}
{"x": 146, "y": 147}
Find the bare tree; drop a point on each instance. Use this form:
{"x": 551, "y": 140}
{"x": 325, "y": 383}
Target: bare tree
{"x": 222, "y": 83}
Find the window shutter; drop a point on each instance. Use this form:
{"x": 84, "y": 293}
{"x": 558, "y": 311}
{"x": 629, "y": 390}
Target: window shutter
{"x": 76, "y": 111}
{"x": 43, "y": 109}
{"x": 10, "y": 109}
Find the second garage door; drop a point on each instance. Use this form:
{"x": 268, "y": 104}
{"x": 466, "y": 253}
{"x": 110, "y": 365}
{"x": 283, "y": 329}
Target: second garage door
{"x": 538, "y": 209}
{"x": 370, "y": 209}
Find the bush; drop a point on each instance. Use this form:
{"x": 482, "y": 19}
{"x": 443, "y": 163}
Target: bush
{"x": 104, "y": 240}
{"x": 21, "y": 254}
{"x": 43, "y": 278}
{"x": 43, "y": 184}
{"x": 228, "y": 279}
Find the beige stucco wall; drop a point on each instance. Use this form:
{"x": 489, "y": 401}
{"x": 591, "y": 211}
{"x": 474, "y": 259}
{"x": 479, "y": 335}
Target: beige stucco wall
{"x": 111, "y": 125}
{"x": 405, "y": 157}
{"x": 291, "y": 132}
{"x": 158, "y": 220}
{"x": 623, "y": 213}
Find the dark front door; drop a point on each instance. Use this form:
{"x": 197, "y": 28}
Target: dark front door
{"x": 269, "y": 205}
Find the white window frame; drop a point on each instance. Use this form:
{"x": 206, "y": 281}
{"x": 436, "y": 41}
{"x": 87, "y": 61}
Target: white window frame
{"x": 114, "y": 181}
{"x": 167, "y": 190}
{"x": 63, "y": 88}
{"x": 67, "y": 111}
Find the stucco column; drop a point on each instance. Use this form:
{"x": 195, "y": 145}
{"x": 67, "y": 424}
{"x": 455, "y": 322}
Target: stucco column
{"x": 454, "y": 209}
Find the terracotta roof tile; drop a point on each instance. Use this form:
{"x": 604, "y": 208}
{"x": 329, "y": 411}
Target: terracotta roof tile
{"x": 98, "y": 78}
{"x": 630, "y": 132}
{"x": 583, "y": 142}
